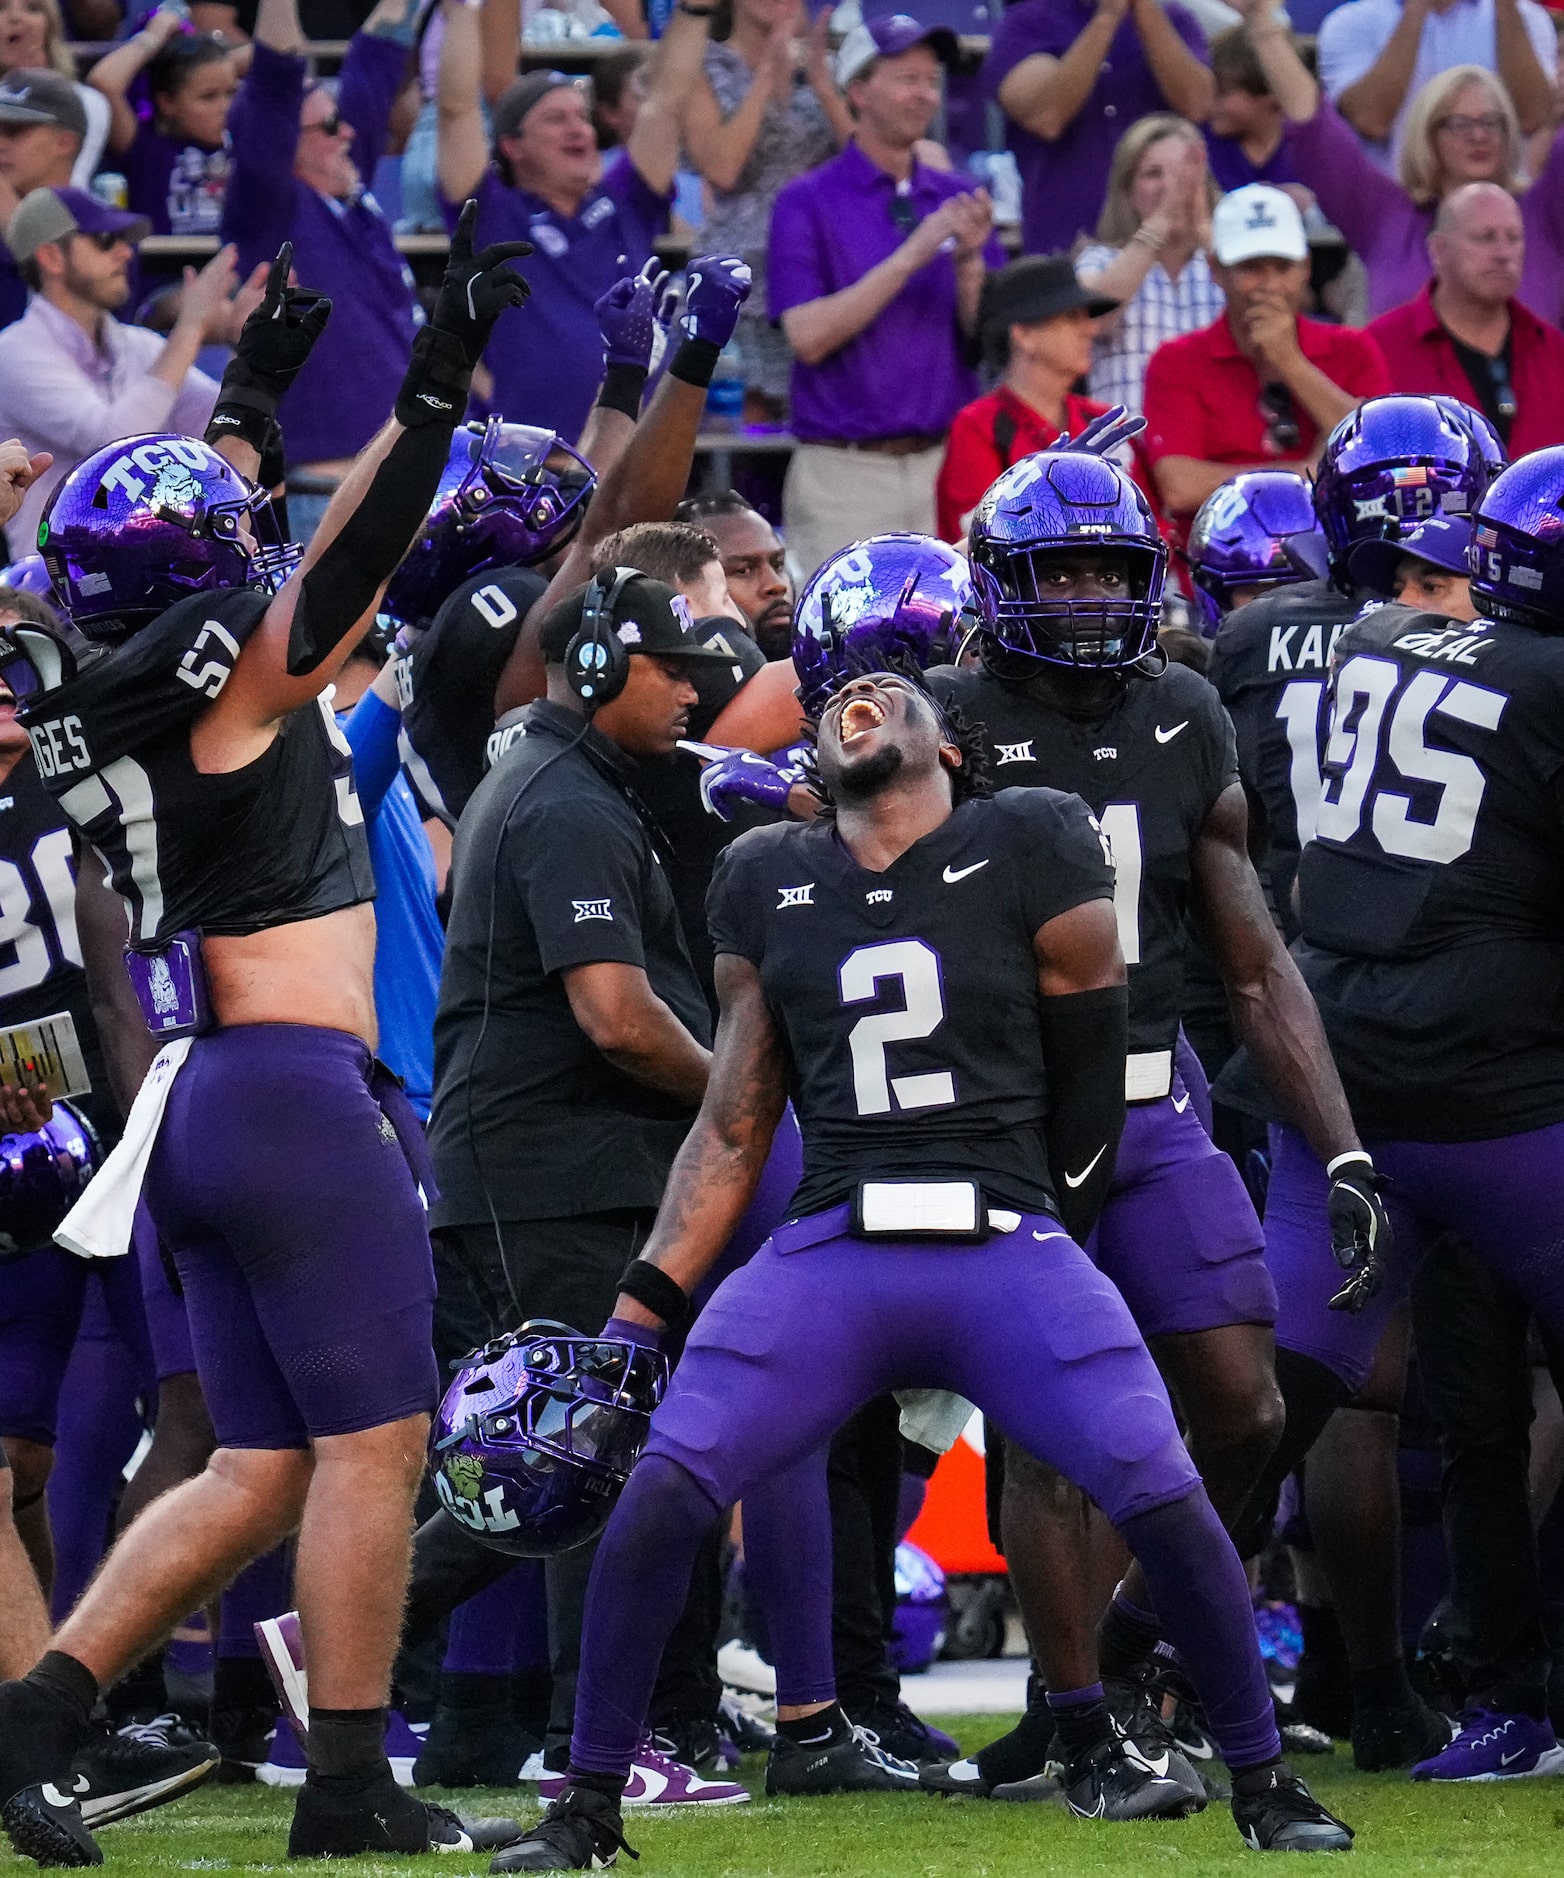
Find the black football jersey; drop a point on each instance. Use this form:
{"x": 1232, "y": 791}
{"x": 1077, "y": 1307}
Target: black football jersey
{"x": 1270, "y": 664}
{"x": 281, "y": 839}
{"x": 909, "y": 998}
{"x": 448, "y": 681}
{"x": 1149, "y": 768}
{"x": 40, "y": 955}
{"x": 1432, "y": 894}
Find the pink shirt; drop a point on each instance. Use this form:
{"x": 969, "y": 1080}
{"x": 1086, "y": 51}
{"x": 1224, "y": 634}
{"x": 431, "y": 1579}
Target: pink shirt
{"x": 60, "y": 392}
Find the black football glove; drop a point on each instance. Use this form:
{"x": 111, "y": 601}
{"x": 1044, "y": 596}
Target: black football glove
{"x": 1360, "y": 1231}
{"x": 477, "y": 288}
{"x": 280, "y": 334}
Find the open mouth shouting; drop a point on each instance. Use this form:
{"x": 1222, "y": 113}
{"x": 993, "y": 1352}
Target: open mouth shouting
{"x": 860, "y": 716}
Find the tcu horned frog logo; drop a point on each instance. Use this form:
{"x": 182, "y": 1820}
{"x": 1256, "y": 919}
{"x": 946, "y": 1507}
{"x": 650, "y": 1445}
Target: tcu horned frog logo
{"x": 459, "y": 1484}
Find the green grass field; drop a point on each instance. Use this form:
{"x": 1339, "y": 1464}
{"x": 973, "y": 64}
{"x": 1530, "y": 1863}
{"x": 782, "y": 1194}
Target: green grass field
{"x": 1514, "y": 1830}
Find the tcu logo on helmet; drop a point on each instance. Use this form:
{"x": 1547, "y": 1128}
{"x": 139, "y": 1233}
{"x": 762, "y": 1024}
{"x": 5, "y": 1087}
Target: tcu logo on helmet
{"x": 458, "y": 1482}
{"x": 160, "y": 463}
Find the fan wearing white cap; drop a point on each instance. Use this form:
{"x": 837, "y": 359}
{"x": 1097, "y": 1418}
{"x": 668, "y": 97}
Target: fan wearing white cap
{"x": 1262, "y": 385}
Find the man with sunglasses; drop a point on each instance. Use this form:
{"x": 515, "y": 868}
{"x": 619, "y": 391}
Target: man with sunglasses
{"x": 1260, "y": 386}
{"x": 1467, "y": 336}
{"x": 72, "y": 378}
{"x": 876, "y": 262}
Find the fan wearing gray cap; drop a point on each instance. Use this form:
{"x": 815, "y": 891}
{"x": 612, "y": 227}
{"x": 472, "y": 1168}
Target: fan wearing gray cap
{"x": 875, "y": 267}
{"x": 543, "y": 180}
{"x": 1035, "y": 325}
{"x": 43, "y": 126}
{"x": 72, "y": 378}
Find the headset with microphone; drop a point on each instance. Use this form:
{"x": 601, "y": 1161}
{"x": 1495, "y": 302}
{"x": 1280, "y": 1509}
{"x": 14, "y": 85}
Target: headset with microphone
{"x": 597, "y": 661}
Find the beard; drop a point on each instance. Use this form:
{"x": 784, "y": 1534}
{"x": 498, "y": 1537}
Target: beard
{"x": 869, "y": 777}
{"x": 774, "y": 636}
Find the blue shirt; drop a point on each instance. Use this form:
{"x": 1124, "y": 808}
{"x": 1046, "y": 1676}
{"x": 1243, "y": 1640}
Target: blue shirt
{"x": 409, "y": 939}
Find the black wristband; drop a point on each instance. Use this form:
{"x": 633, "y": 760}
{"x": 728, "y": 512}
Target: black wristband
{"x": 247, "y": 422}
{"x": 650, "y": 1285}
{"x": 695, "y": 362}
{"x": 623, "y": 388}
{"x": 437, "y": 382}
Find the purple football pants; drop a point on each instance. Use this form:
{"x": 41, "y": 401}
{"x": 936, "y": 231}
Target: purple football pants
{"x": 42, "y": 1299}
{"x": 818, "y": 1323}
{"x": 285, "y": 1181}
{"x": 1178, "y": 1233}
{"x": 1504, "y": 1197}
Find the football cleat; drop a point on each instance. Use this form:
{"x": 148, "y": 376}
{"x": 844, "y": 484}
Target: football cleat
{"x": 742, "y": 1667}
{"x": 468, "y": 1747}
{"x": 243, "y": 1737}
{"x": 959, "y": 1779}
{"x": 142, "y": 1765}
{"x": 857, "y": 1765}
{"x": 1495, "y": 1746}
{"x": 1115, "y": 1781}
{"x": 1398, "y": 1737}
{"x": 908, "y": 1737}
{"x": 697, "y": 1744}
{"x": 739, "y": 1721}
{"x": 382, "y": 1818}
{"x": 581, "y": 1831}
{"x": 1285, "y": 1817}
{"x": 655, "y": 1780}
{"x": 44, "y": 1823}
{"x": 285, "y": 1765}
{"x": 1137, "y": 1716}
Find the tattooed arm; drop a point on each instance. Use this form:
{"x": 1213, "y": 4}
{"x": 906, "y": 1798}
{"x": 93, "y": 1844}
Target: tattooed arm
{"x": 719, "y": 1166}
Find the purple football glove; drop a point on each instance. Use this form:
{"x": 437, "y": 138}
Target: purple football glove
{"x": 627, "y": 316}
{"x": 741, "y": 776}
{"x": 715, "y": 287}
{"x": 1102, "y": 435}
{"x": 643, "y": 1336}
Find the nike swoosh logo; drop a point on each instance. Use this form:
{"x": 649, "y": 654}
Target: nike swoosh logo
{"x": 1167, "y": 736}
{"x": 652, "y": 1784}
{"x": 1179, "y": 1107}
{"x": 79, "y": 1785}
{"x": 1506, "y": 1759}
{"x": 1074, "y": 1180}
{"x": 953, "y": 874}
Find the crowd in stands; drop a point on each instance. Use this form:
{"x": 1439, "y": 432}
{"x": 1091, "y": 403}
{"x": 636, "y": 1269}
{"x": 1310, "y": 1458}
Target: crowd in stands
{"x": 1391, "y": 187}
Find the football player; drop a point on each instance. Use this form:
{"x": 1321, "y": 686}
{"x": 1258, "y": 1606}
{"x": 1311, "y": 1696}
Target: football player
{"x": 1429, "y": 902}
{"x": 935, "y": 973}
{"x": 197, "y": 754}
{"x": 1073, "y": 695}
{"x": 754, "y": 561}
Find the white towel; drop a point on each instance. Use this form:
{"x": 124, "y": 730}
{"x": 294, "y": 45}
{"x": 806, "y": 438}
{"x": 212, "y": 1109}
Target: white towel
{"x": 99, "y": 1225}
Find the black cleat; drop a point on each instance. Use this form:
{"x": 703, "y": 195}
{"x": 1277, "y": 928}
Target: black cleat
{"x": 145, "y": 1764}
{"x": 698, "y": 1744}
{"x": 1397, "y": 1737}
{"x": 858, "y": 1765}
{"x": 1116, "y": 1781}
{"x": 1137, "y": 1714}
{"x": 1285, "y": 1817}
{"x": 1029, "y": 1749}
{"x": 581, "y": 1831}
{"x": 44, "y": 1823}
{"x": 242, "y": 1737}
{"x": 473, "y": 1748}
{"x": 956, "y": 1779}
{"x": 737, "y": 1723}
{"x": 377, "y": 1816}
{"x": 906, "y": 1736}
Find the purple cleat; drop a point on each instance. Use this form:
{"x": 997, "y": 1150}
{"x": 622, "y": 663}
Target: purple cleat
{"x": 1494, "y": 1746}
{"x": 655, "y": 1780}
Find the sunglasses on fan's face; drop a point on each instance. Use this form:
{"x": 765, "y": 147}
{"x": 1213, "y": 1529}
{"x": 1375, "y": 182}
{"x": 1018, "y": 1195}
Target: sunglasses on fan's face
{"x": 327, "y": 126}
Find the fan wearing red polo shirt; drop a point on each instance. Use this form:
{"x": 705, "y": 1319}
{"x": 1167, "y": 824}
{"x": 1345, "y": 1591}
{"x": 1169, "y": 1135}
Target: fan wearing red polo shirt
{"x": 1035, "y": 326}
{"x": 1261, "y": 386}
{"x": 1466, "y": 335}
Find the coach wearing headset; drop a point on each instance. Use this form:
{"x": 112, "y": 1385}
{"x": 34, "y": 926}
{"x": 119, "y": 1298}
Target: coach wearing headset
{"x": 572, "y": 1036}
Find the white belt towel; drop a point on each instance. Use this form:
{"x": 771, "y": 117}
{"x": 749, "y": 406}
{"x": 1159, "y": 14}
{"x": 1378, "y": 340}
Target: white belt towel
{"x": 99, "y": 1225}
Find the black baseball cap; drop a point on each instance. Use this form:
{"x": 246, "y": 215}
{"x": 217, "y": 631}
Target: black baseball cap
{"x": 1039, "y": 287}
{"x": 517, "y": 99}
{"x": 648, "y": 616}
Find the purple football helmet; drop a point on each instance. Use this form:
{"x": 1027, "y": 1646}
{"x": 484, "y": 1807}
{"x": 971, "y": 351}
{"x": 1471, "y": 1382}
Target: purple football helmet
{"x": 499, "y": 504}
{"x": 1517, "y": 555}
{"x": 1391, "y": 464}
{"x": 28, "y": 574}
{"x": 879, "y": 605}
{"x": 538, "y": 1433}
{"x": 922, "y": 1610}
{"x": 1058, "y": 505}
{"x": 147, "y": 521}
{"x": 42, "y": 1176}
{"x": 1259, "y": 530}
{"x": 1490, "y": 444}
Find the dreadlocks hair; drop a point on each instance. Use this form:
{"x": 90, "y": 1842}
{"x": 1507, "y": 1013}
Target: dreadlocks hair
{"x": 973, "y": 779}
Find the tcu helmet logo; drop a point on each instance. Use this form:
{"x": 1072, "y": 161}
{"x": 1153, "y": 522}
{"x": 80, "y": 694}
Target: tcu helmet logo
{"x": 164, "y": 466}
{"x": 459, "y": 1483}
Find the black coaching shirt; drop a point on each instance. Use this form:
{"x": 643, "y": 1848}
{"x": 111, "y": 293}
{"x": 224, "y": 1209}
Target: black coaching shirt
{"x": 1149, "y": 767}
{"x": 280, "y": 840}
{"x": 909, "y": 998}
{"x": 555, "y": 865}
{"x": 1270, "y": 664}
{"x": 1432, "y": 894}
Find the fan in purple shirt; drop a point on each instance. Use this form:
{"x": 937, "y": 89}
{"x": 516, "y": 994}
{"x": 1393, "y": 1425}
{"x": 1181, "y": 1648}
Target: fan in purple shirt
{"x": 544, "y": 181}
{"x": 1245, "y": 133}
{"x": 300, "y": 158}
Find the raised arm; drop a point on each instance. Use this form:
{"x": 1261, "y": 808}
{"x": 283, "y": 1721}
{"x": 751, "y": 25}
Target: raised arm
{"x": 372, "y": 75}
{"x": 1182, "y": 75}
{"x": 1371, "y": 103}
{"x": 462, "y": 144}
{"x": 1292, "y": 84}
{"x": 1044, "y": 93}
{"x": 1530, "y": 82}
{"x": 718, "y": 1169}
{"x": 719, "y": 146}
{"x": 1085, "y": 1032}
{"x": 118, "y": 70}
{"x": 499, "y": 34}
{"x": 673, "y": 77}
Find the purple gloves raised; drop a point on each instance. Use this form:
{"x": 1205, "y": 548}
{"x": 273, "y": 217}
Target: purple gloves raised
{"x": 629, "y": 314}
{"x": 715, "y": 287}
{"x": 742, "y": 776}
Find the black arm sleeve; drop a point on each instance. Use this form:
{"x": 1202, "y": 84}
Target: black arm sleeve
{"x": 340, "y": 588}
{"x": 1085, "y": 1036}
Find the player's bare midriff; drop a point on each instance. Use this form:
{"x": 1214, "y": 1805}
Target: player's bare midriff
{"x": 314, "y": 971}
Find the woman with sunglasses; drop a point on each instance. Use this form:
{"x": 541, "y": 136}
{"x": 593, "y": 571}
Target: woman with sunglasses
{"x": 1460, "y": 128}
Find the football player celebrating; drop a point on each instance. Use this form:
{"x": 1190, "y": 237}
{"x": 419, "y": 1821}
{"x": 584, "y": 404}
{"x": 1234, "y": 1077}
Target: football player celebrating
{"x": 1429, "y": 900}
{"x": 935, "y": 974}
{"x": 199, "y": 757}
{"x": 1068, "y": 568}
